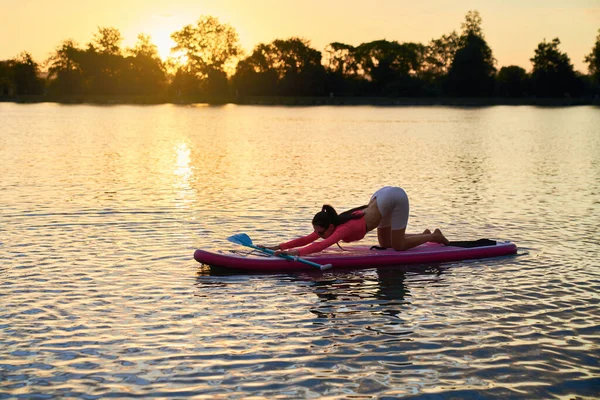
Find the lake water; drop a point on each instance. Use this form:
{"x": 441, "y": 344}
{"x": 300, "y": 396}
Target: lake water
{"x": 102, "y": 208}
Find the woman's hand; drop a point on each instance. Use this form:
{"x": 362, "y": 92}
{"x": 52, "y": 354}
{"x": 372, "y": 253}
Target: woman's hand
{"x": 268, "y": 247}
{"x": 292, "y": 252}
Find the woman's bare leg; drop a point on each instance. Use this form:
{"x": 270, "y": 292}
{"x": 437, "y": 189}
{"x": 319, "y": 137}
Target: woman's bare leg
{"x": 401, "y": 241}
{"x": 425, "y": 232}
{"x": 384, "y": 235}
{"x": 440, "y": 238}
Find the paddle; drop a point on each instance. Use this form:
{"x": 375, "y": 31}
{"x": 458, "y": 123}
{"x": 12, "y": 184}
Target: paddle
{"x": 244, "y": 240}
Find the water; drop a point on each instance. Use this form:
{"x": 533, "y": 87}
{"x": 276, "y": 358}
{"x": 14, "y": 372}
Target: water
{"x": 102, "y": 208}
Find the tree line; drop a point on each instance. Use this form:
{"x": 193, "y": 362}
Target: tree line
{"x": 208, "y": 63}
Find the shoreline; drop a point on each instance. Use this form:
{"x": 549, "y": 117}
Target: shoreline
{"x": 305, "y": 101}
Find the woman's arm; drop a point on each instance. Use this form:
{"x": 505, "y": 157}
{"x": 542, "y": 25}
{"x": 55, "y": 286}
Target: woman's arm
{"x": 302, "y": 241}
{"x": 339, "y": 234}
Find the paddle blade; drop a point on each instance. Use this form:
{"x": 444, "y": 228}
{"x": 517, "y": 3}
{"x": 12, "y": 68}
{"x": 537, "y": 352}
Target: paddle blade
{"x": 240, "y": 238}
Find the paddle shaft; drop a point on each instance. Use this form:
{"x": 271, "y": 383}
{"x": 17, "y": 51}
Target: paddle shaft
{"x": 288, "y": 257}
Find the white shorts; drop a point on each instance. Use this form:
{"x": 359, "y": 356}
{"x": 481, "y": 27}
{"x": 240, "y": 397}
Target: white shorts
{"x": 393, "y": 206}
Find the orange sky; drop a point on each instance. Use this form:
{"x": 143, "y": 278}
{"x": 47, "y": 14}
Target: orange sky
{"x": 512, "y": 28}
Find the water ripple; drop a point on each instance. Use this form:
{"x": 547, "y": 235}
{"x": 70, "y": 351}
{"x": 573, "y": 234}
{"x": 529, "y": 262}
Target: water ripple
{"x": 100, "y": 296}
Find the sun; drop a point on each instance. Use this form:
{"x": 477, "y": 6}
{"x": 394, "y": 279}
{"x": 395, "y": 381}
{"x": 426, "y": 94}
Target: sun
{"x": 163, "y": 44}
{"x": 160, "y": 36}
{"x": 160, "y": 27}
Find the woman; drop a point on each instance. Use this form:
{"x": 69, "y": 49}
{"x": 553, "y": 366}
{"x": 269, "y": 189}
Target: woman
{"x": 387, "y": 211}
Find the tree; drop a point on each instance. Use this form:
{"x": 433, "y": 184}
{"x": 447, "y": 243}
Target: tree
{"x": 26, "y": 75}
{"x": 102, "y": 64}
{"x": 256, "y": 75}
{"x": 391, "y": 67}
{"x": 64, "y": 72}
{"x": 472, "y": 24}
{"x": 344, "y": 74}
{"x": 512, "y": 81}
{"x": 340, "y": 58}
{"x": 184, "y": 84}
{"x": 298, "y": 66}
{"x": 472, "y": 70}
{"x": 207, "y": 49}
{"x": 439, "y": 55}
{"x": 553, "y": 74}
{"x": 7, "y": 84}
{"x": 292, "y": 65}
{"x": 144, "y": 47}
{"x": 107, "y": 41}
{"x": 593, "y": 60}
{"x": 20, "y": 76}
{"x": 438, "y": 58}
{"x": 101, "y": 72}
{"x": 146, "y": 72}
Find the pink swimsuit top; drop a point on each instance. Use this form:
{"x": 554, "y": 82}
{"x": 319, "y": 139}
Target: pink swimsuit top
{"x": 350, "y": 231}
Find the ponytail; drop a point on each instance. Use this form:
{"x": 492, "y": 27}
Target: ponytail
{"x": 328, "y": 216}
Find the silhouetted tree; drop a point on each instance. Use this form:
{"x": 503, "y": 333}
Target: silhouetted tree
{"x": 553, "y": 74}
{"x": 439, "y": 56}
{"x": 184, "y": 83}
{"x": 344, "y": 74}
{"x": 145, "y": 73}
{"x": 216, "y": 83}
{"x": 391, "y": 67}
{"x": 7, "y": 84}
{"x": 340, "y": 58}
{"x": 107, "y": 41}
{"x": 26, "y": 75}
{"x": 256, "y": 74}
{"x": 103, "y": 69}
{"x": 207, "y": 48}
{"x": 472, "y": 70}
{"x": 103, "y": 64}
{"x": 291, "y": 65}
{"x": 64, "y": 73}
{"x": 593, "y": 60}
{"x": 144, "y": 47}
{"x": 512, "y": 81}
{"x": 299, "y": 67}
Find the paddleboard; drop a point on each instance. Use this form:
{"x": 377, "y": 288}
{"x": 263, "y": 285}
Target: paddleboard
{"x": 355, "y": 257}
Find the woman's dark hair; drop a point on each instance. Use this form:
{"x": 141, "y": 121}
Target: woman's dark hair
{"x": 328, "y": 216}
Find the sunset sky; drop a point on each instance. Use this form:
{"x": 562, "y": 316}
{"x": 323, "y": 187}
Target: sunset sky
{"x": 512, "y": 28}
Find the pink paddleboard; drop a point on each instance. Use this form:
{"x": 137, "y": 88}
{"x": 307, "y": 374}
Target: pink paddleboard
{"x": 352, "y": 257}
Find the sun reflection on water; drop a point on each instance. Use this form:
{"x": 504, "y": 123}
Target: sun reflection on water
{"x": 184, "y": 174}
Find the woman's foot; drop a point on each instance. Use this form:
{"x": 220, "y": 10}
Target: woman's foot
{"x": 440, "y": 238}
{"x": 426, "y": 232}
